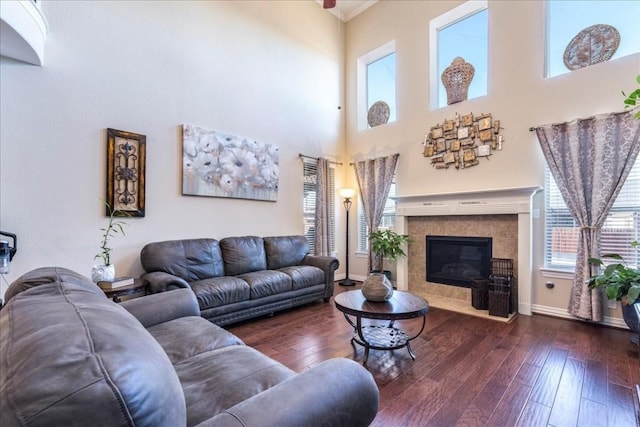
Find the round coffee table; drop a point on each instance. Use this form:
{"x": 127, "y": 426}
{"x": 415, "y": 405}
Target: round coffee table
{"x": 402, "y": 305}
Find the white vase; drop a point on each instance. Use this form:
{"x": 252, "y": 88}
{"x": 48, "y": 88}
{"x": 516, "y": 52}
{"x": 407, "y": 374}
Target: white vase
{"x": 103, "y": 272}
{"x": 377, "y": 287}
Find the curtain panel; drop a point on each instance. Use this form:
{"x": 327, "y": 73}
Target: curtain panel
{"x": 323, "y": 215}
{"x": 374, "y": 178}
{"x": 590, "y": 159}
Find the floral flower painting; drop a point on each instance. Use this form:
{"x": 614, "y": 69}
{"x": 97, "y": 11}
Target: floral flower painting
{"x": 220, "y": 165}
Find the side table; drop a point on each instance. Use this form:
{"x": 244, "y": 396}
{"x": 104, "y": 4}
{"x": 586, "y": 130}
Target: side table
{"x": 139, "y": 287}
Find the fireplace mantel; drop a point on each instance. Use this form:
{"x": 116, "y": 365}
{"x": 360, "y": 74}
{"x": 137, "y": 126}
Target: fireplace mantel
{"x": 485, "y": 202}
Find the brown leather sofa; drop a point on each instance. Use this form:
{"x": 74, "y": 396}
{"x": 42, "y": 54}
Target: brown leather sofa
{"x": 238, "y": 278}
{"x": 69, "y": 356}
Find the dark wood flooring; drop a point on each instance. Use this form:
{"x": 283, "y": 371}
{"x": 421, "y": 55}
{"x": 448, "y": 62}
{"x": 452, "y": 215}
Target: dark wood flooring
{"x": 534, "y": 371}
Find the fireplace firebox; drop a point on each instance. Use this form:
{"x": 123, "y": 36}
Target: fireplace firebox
{"x": 454, "y": 260}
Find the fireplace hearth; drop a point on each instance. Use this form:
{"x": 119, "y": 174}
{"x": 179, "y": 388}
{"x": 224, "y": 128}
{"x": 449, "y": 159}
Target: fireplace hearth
{"x": 457, "y": 260}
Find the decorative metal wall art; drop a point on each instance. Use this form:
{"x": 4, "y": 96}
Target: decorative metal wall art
{"x": 590, "y": 46}
{"x": 126, "y": 158}
{"x": 461, "y": 141}
{"x": 456, "y": 79}
{"x": 215, "y": 164}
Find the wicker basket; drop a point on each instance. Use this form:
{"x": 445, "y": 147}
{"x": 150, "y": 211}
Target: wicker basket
{"x": 501, "y": 267}
{"x": 499, "y": 299}
{"x": 479, "y": 294}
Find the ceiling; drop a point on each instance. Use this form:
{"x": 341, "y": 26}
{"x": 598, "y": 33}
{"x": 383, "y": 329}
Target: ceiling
{"x": 347, "y": 9}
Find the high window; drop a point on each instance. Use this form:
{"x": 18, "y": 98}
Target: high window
{"x": 565, "y": 19}
{"x": 388, "y": 219}
{"x": 463, "y": 32}
{"x": 620, "y": 228}
{"x": 377, "y": 81}
{"x": 309, "y": 189}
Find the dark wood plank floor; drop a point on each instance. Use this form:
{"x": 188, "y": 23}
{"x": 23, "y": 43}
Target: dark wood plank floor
{"x": 535, "y": 371}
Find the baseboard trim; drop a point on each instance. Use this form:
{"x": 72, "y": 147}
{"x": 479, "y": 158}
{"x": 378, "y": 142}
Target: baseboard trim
{"x": 563, "y": 313}
{"x": 615, "y": 322}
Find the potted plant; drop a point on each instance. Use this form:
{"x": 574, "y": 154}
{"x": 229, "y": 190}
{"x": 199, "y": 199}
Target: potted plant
{"x": 106, "y": 271}
{"x": 387, "y": 244}
{"x": 621, "y": 283}
{"x": 633, "y": 99}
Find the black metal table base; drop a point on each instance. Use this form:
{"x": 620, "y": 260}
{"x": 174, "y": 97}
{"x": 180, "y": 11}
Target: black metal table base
{"x": 381, "y": 337}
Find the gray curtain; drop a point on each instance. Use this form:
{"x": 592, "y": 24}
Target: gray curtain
{"x": 590, "y": 159}
{"x": 322, "y": 226}
{"x": 374, "y": 180}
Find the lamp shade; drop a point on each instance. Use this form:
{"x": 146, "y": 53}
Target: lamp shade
{"x": 347, "y": 193}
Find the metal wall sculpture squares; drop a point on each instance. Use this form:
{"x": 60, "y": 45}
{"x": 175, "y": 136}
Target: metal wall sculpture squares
{"x": 459, "y": 142}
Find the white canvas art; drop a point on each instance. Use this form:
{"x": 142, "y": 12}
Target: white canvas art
{"x": 220, "y": 165}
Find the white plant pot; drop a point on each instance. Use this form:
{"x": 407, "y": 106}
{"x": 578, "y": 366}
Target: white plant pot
{"x": 103, "y": 272}
{"x": 377, "y": 287}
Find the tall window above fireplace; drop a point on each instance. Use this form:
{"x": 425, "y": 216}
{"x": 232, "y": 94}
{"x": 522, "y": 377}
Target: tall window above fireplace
{"x": 457, "y": 261}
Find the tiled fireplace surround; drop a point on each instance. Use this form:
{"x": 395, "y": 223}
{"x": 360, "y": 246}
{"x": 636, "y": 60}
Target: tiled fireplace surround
{"x": 503, "y": 214}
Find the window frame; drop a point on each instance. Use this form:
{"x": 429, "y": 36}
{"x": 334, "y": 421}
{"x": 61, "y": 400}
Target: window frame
{"x": 363, "y": 84}
{"x": 447, "y": 19}
{"x": 609, "y": 243}
{"x": 549, "y": 51}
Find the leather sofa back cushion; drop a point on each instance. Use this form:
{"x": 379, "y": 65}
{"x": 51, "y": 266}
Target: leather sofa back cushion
{"x": 41, "y": 276}
{"x": 285, "y": 251}
{"x": 77, "y": 358}
{"x": 243, "y": 255}
{"x": 189, "y": 259}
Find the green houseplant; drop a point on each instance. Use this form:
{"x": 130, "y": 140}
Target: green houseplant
{"x": 106, "y": 270}
{"x": 387, "y": 244}
{"x": 633, "y": 99}
{"x": 620, "y": 282}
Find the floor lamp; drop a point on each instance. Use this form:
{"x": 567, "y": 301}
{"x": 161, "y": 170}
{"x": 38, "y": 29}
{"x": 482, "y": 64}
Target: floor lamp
{"x": 347, "y": 194}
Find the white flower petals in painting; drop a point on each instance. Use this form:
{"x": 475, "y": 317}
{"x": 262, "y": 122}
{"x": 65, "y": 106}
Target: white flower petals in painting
{"x": 220, "y": 165}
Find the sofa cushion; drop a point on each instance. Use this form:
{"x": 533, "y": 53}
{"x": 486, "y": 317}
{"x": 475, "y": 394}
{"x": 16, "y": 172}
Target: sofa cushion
{"x": 218, "y": 291}
{"x": 44, "y": 275}
{"x": 189, "y": 259}
{"x": 243, "y": 255}
{"x": 60, "y": 328}
{"x": 188, "y": 336}
{"x": 303, "y": 276}
{"x": 266, "y": 283}
{"x": 285, "y": 251}
{"x": 215, "y": 381}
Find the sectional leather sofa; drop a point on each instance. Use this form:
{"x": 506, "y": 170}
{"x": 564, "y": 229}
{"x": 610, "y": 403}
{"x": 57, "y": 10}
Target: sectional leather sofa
{"x": 69, "y": 356}
{"x": 237, "y": 278}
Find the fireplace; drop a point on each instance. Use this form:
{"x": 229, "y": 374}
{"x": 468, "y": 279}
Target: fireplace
{"x": 434, "y": 214}
{"x": 454, "y": 260}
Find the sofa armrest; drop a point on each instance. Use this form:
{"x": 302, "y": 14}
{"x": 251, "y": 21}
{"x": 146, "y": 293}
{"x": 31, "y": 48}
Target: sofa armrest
{"x": 327, "y": 264}
{"x": 159, "y": 308}
{"x": 159, "y": 281}
{"x": 337, "y": 392}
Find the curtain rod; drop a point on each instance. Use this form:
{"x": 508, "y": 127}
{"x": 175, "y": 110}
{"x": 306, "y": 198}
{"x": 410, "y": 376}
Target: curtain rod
{"x": 532, "y": 129}
{"x": 300, "y": 155}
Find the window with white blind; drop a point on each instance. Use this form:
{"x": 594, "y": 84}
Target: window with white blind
{"x": 309, "y": 171}
{"x": 620, "y": 228}
{"x": 388, "y": 219}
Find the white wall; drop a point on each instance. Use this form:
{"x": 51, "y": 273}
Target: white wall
{"x": 518, "y": 96}
{"x": 267, "y": 71}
